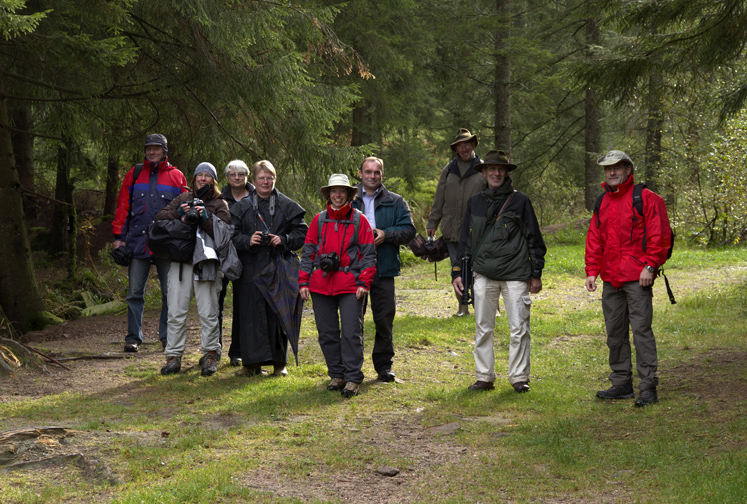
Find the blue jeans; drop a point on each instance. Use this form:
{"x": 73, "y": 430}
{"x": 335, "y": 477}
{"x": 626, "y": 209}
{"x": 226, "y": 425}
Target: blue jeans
{"x": 138, "y": 273}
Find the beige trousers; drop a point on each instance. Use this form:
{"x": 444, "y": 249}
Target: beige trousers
{"x": 517, "y": 302}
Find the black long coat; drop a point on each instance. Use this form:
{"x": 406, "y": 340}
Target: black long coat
{"x": 263, "y": 341}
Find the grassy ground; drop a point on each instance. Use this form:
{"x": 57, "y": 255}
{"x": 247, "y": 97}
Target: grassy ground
{"x": 230, "y": 439}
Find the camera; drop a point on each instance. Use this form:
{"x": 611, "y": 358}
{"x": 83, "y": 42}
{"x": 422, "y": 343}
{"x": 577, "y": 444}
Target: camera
{"x": 329, "y": 262}
{"x": 192, "y": 216}
{"x": 265, "y": 238}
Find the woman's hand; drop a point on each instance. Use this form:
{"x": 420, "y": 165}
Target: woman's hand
{"x": 361, "y": 293}
{"x": 304, "y": 291}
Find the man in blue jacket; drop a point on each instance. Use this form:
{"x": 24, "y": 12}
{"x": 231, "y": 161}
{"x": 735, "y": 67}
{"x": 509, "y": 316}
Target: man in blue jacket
{"x": 389, "y": 215}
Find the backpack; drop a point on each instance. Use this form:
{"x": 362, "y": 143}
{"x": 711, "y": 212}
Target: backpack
{"x": 638, "y": 207}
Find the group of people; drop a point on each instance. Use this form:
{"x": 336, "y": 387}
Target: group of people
{"x": 350, "y": 252}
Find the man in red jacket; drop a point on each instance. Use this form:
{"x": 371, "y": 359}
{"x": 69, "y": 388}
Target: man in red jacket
{"x": 626, "y": 249}
{"x": 141, "y": 197}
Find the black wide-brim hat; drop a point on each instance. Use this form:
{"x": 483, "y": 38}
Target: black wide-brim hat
{"x": 495, "y": 157}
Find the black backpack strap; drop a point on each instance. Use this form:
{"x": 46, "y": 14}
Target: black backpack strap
{"x": 638, "y": 206}
{"x": 597, "y": 207}
{"x": 135, "y": 174}
{"x": 669, "y": 289}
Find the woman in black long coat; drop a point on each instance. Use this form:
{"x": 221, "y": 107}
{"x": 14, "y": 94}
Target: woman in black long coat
{"x": 268, "y": 224}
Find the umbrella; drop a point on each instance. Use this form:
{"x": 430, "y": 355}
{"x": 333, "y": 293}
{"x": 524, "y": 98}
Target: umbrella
{"x": 278, "y": 283}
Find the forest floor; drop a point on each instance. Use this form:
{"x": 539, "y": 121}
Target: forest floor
{"x": 107, "y": 372}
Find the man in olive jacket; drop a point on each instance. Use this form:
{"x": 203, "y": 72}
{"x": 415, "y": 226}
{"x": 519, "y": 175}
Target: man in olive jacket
{"x": 390, "y": 218}
{"x": 458, "y": 182}
{"x": 502, "y": 236}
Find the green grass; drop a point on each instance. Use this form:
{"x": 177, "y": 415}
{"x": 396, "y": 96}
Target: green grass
{"x": 231, "y": 439}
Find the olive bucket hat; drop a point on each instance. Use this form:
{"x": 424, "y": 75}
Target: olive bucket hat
{"x": 495, "y": 157}
{"x": 463, "y": 135}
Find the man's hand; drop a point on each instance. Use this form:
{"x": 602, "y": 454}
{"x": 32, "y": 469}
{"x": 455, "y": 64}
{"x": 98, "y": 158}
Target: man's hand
{"x": 119, "y": 243}
{"x": 378, "y": 236}
{"x": 458, "y": 286}
{"x": 431, "y": 232}
{"x": 591, "y": 283}
{"x": 647, "y": 278}
{"x": 304, "y": 291}
{"x": 361, "y": 293}
{"x": 535, "y": 285}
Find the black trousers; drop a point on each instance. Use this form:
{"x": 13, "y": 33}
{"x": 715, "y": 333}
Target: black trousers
{"x": 384, "y": 308}
{"x": 340, "y": 334}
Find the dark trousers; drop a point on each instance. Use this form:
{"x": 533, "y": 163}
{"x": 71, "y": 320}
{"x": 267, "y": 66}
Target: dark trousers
{"x": 630, "y": 306}
{"x": 384, "y": 308}
{"x": 340, "y": 335}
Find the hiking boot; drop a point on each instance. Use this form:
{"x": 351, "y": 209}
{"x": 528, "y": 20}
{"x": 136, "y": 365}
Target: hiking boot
{"x": 210, "y": 365}
{"x": 521, "y": 387}
{"x": 481, "y": 385}
{"x": 253, "y": 370}
{"x": 624, "y": 391}
{"x": 646, "y": 398}
{"x": 173, "y": 366}
{"x": 131, "y": 347}
{"x": 386, "y": 376}
{"x": 463, "y": 310}
{"x": 350, "y": 390}
{"x": 335, "y": 384}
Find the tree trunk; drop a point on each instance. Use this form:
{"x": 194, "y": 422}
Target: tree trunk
{"x": 23, "y": 150}
{"x": 112, "y": 184}
{"x": 591, "y": 127}
{"x": 362, "y": 125}
{"x": 19, "y": 294}
{"x": 654, "y": 126}
{"x": 64, "y": 225}
{"x": 502, "y": 77}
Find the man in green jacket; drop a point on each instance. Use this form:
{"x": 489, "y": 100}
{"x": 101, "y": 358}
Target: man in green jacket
{"x": 501, "y": 235}
{"x": 459, "y": 180}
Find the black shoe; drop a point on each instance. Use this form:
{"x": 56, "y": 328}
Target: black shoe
{"x": 173, "y": 366}
{"x": 131, "y": 347}
{"x": 521, "y": 387}
{"x": 481, "y": 385}
{"x": 210, "y": 364}
{"x": 235, "y": 361}
{"x": 624, "y": 391}
{"x": 646, "y": 398}
{"x": 350, "y": 390}
{"x": 163, "y": 346}
{"x": 335, "y": 384}
{"x": 386, "y": 376}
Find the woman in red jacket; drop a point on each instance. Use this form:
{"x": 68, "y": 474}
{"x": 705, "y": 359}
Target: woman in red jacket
{"x": 337, "y": 267}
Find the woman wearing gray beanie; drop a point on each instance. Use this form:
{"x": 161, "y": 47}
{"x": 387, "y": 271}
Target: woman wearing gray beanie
{"x": 204, "y": 208}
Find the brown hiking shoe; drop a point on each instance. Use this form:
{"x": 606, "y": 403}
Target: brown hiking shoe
{"x": 173, "y": 366}
{"x": 210, "y": 365}
{"x": 481, "y": 385}
{"x": 350, "y": 390}
{"x": 335, "y": 384}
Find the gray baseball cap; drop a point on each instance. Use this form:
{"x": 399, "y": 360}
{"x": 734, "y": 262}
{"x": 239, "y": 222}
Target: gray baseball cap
{"x": 614, "y": 157}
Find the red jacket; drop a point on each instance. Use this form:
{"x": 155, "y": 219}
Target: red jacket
{"x": 148, "y": 198}
{"x": 614, "y": 249}
{"x": 357, "y": 264}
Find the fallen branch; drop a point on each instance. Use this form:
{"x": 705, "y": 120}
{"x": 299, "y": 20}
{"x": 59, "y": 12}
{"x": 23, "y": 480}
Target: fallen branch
{"x": 45, "y": 356}
{"x": 91, "y": 357}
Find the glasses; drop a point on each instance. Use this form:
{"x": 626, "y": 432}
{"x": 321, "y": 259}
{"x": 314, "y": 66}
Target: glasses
{"x": 264, "y": 179}
{"x": 236, "y": 175}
